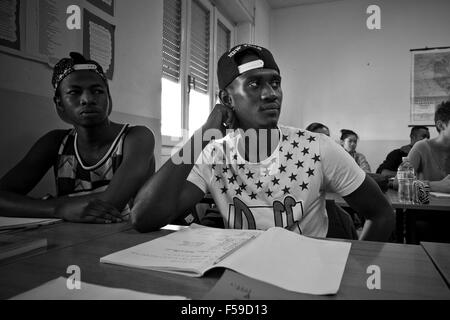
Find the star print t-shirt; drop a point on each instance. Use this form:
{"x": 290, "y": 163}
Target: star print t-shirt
{"x": 286, "y": 190}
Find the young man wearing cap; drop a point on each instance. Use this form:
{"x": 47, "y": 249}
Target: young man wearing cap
{"x": 262, "y": 174}
{"x": 99, "y": 165}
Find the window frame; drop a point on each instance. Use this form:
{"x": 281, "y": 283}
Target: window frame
{"x": 186, "y": 15}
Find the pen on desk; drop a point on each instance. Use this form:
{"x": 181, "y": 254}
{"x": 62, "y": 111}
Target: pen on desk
{"x": 233, "y": 250}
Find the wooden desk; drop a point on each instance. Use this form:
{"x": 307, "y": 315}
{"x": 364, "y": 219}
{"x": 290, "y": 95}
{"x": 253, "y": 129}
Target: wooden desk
{"x": 440, "y": 255}
{"x": 406, "y": 271}
{"x": 405, "y": 223}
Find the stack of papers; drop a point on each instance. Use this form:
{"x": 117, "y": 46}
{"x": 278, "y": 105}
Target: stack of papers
{"x": 8, "y": 223}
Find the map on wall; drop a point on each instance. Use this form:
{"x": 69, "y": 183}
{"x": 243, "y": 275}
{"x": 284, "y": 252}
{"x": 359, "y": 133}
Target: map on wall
{"x": 430, "y": 83}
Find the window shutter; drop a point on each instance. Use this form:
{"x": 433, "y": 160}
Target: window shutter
{"x": 223, "y": 39}
{"x": 199, "y": 47}
{"x": 171, "y": 59}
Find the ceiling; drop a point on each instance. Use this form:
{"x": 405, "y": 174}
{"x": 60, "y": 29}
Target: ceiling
{"x": 277, "y": 4}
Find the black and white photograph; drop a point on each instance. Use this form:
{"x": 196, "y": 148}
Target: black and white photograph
{"x": 225, "y": 158}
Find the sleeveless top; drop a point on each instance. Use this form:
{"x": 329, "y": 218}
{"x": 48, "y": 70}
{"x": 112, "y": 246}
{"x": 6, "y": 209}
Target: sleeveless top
{"x": 74, "y": 178}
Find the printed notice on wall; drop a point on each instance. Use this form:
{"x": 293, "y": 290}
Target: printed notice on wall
{"x": 9, "y": 24}
{"x": 105, "y": 5}
{"x": 98, "y": 42}
{"x": 430, "y": 83}
{"x": 55, "y": 40}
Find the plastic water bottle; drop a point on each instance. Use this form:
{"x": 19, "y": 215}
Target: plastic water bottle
{"x": 406, "y": 177}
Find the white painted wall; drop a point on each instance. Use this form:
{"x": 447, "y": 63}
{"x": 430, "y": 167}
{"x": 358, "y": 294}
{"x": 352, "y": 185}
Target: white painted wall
{"x": 338, "y": 72}
{"x": 262, "y": 23}
{"x": 137, "y": 89}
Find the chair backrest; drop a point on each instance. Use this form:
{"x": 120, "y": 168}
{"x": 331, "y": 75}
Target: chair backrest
{"x": 340, "y": 223}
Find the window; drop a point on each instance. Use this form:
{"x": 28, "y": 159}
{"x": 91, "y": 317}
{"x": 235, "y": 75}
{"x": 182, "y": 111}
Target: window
{"x": 195, "y": 34}
{"x": 171, "y": 116}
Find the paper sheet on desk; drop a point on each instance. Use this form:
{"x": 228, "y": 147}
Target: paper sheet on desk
{"x": 292, "y": 262}
{"x": 235, "y": 286}
{"x": 57, "y": 290}
{"x": 440, "y": 194}
{"x": 7, "y": 223}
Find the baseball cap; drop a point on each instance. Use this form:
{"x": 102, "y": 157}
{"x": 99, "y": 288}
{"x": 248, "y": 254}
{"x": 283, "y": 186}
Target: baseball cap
{"x": 76, "y": 62}
{"x": 229, "y": 67}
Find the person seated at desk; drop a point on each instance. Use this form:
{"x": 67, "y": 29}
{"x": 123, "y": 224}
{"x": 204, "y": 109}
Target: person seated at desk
{"x": 389, "y": 166}
{"x": 431, "y": 158}
{"x": 99, "y": 165}
{"x": 349, "y": 141}
{"x": 431, "y": 162}
{"x": 260, "y": 174}
{"x": 318, "y": 127}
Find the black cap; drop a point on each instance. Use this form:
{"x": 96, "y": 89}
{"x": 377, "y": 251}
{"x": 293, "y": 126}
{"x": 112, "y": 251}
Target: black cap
{"x": 76, "y": 62}
{"x": 229, "y": 67}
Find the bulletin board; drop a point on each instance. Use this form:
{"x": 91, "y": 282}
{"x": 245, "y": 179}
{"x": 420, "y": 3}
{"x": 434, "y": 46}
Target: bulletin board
{"x": 105, "y": 5}
{"x": 9, "y": 24}
{"x": 430, "y": 83}
{"x": 37, "y": 30}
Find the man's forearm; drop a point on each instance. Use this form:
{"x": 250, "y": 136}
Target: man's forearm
{"x": 156, "y": 204}
{"x": 380, "y": 227}
{"x": 388, "y": 173}
{"x": 439, "y": 186}
{"x": 21, "y": 206}
{"x": 17, "y": 205}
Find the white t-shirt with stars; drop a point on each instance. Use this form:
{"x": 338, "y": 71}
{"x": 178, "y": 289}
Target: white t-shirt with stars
{"x": 286, "y": 190}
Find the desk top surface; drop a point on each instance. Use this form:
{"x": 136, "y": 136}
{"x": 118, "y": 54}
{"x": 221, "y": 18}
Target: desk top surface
{"x": 440, "y": 255}
{"x": 406, "y": 270}
{"x": 436, "y": 204}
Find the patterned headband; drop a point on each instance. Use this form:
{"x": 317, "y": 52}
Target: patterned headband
{"x": 76, "y": 62}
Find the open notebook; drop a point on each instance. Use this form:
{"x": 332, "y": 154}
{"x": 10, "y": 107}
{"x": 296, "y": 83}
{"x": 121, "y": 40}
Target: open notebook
{"x": 276, "y": 256}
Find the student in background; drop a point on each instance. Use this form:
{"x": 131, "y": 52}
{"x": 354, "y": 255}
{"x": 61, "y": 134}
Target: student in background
{"x": 259, "y": 173}
{"x": 349, "y": 140}
{"x": 431, "y": 157}
{"x": 319, "y": 128}
{"x": 431, "y": 161}
{"x": 99, "y": 165}
{"x": 389, "y": 166}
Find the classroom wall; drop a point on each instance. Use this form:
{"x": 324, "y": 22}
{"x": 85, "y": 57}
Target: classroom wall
{"x": 257, "y": 29}
{"x": 27, "y": 109}
{"x": 338, "y": 72}
{"x": 262, "y": 23}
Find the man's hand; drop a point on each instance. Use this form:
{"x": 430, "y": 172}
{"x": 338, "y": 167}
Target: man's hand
{"x": 95, "y": 211}
{"x": 221, "y": 118}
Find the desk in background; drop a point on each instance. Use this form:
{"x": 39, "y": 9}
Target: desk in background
{"x": 405, "y": 222}
{"x": 406, "y": 270}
